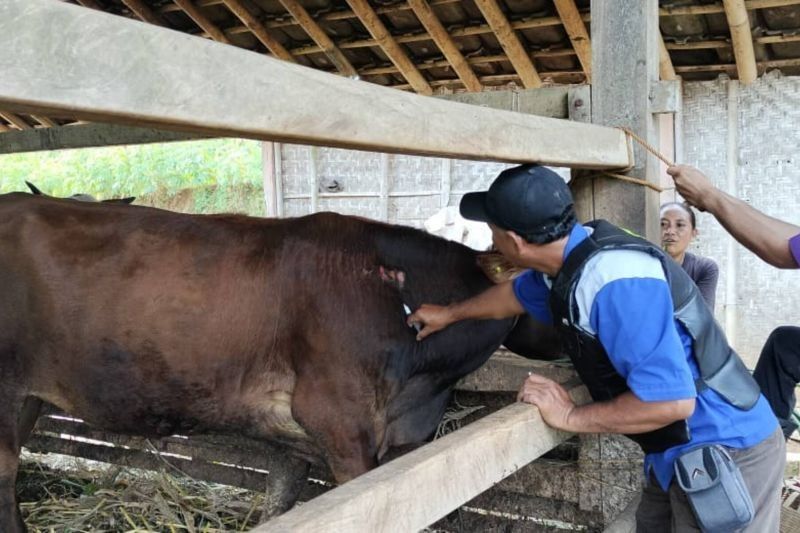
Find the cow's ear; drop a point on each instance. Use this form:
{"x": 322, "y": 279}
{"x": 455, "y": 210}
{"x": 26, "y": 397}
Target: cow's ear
{"x": 497, "y": 268}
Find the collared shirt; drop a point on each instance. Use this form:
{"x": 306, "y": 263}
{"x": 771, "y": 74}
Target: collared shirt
{"x": 794, "y": 246}
{"x": 624, "y": 300}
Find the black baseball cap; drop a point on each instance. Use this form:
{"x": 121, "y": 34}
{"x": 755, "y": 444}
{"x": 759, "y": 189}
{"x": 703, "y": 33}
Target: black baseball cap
{"x": 530, "y": 200}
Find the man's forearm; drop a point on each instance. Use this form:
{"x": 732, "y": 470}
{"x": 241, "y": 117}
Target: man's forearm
{"x": 765, "y": 236}
{"x": 627, "y": 414}
{"x": 497, "y": 302}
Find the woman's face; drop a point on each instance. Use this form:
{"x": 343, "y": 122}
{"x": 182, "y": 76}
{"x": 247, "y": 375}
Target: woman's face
{"x": 676, "y": 231}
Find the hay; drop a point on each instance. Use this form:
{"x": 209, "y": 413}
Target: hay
{"x": 113, "y": 499}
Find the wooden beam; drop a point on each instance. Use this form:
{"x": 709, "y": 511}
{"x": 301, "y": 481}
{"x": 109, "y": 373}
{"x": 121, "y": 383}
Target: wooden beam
{"x": 510, "y": 42}
{"x": 731, "y": 67}
{"x": 398, "y": 495}
{"x": 44, "y": 121}
{"x": 3, "y": 128}
{"x": 19, "y": 122}
{"x": 719, "y": 7}
{"x": 439, "y": 34}
{"x": 476, "y": 60}
{"x": 564, "y": 76}
{"x": 578, "y": 36}
{"x": 666, "y": 70}
{"x": 201, "y": 20}
{"x": 742, "y": 37}
{"x": 84, "y": 136}
{"x": 319, "y": 36}
{"x": 376, "y": 28}
{"x": 625, "y": 68}
{"x": 143, "y": 11}
{"x": 134, "y": 83}
{"x": 257, "y": 28}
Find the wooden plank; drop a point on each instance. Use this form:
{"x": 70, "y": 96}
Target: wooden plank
{"x": 510, "y": 42}
{"x": 143, "y": 11}
{"x": 505, "y": 372}
{"x": 257, "y": 28}
{"x": 578, "y": 36}
{"x": 439, "y": 34}
{"x": 718, "y": 7}
{"x": 385, "y": 40}
{"x": 55, "y": 76}
{"x": 625, "y": 67}
{"x": 85, "y": 136}
{"x": 319, "y": 36}
{"x": 201, "y": 20}
{"x": 18, "y": 122}
{"x": 742, "y": 37}
{"x": 388, "y": 498}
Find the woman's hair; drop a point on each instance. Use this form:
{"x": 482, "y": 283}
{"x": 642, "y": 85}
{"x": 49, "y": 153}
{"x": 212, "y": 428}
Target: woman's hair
{"x": 686, "y": 208}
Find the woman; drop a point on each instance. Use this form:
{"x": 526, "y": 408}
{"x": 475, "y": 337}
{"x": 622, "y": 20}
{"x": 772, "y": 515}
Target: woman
{"x": 678, "y": 228}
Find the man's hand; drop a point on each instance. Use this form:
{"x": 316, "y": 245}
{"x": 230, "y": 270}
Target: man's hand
{"x": 552, "y": 399}
{"x": 693, "y": 185}
{"x": 432, "y": 318}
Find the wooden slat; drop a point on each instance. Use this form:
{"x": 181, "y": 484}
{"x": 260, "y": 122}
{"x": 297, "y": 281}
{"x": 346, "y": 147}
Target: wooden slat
{"x": 578, "y": 36}
{"x": 143, "y": 11}
{"x": 510, "y": 42}
{"x": 718, "y": 7}
{"x": 201, "y": 20}
{"x": 90, "y": 3}
{"x": 398, "y": 495}
{"x": 477, "y": 60}
{"x": 384, "y": 39}
{"x": 319, "y": 36}
{"x": 731, "y": 67}
{"x": 19, "y": 122}
{"x": 262, "y": 34}
{"x": 445, "y": 43}
{"x": 133, "y": 83}
{"x": 564, "y": 76}
{"x": 742, "y": 37}
{"x": 666, "y": 70}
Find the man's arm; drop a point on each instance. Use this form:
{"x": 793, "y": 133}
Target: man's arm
{"x": 496, "y": 302}
{"x": 624, "y": 414}
{"x": 765, "y": 236}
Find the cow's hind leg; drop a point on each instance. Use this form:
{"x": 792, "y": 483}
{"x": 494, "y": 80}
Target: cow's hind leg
{"x": 287, "y": 477}
{"x": 17, "y": 415}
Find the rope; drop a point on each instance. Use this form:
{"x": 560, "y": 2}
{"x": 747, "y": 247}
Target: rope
{"x": 629, "y": 179}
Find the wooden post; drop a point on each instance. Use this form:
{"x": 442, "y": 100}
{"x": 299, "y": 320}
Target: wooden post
{"x": 624, "y": 67}
{"x": 313, "y": 179}
{"x": 268, "y": 173}
{"x": 384, "y": 192}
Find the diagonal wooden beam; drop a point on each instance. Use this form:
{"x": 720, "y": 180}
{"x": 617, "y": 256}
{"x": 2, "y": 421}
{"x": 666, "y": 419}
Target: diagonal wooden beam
{"x": 258, "y": 29}
{"x": 319, "y": 36}
{"x": 439, "y": 34}
{"x": 16, "y": 120}
{"x": 386, "y": 41}
{"x": 510, "y": 42}
{"x": 742, "y": 38}
{"x": 144, "y": 12}
{"x": 44, "y": 121}
{"x": 666, "y": 70}
{"x": 578, "y": 36}
{"x": 201, "y": 20}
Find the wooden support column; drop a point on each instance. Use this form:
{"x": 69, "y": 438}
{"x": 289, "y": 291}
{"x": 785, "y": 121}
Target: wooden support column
{"x": 625, "y": 66}
{"x": 269, "y": 179}
{"x": 665, "y": 68}
{"x": 742, "y": 38}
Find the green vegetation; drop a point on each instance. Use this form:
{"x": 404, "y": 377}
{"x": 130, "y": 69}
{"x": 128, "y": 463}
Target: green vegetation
{"x": 219, "y": 175}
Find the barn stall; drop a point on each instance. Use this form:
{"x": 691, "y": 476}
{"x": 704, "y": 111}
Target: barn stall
{"x": 500, "y": 73}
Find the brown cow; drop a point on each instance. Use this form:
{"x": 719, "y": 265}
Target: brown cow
{"x": 148, "y": 322}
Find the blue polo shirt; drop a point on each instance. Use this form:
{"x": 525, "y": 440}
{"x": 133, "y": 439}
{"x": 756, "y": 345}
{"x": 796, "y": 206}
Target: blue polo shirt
{"x": 624, "y": 300}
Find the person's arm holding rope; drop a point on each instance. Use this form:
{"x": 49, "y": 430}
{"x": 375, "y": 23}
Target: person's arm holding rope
{"x": 767, "y": 237}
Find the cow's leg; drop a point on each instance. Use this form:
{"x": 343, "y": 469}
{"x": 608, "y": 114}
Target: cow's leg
{"x": 10, "y": 517}
{"x": 341, "y": 421}
{"x": 287, "y": 477}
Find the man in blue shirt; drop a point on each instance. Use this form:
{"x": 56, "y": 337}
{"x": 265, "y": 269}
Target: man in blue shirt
{"x": 630, "y": 345}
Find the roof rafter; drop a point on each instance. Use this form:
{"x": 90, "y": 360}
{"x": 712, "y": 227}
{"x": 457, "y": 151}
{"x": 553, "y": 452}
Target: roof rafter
{"x": 439, "y": 34}
{"x": 258, "y": 29}
{"x": 143, "y": 11}
{"x": 201, "y": 20}
{"x": 90, "y": 3}
{"x": 319, "y": 36}
{"x": 386, "y": 41}
{"x": 510, "y": 42}
{"x": 44, "y": 121}
{"x": 16, "y": 120}
{"x": 742, "y": 37}
{"x": 578, "y": 36}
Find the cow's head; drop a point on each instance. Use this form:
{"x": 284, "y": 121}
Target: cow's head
{"x": 83, "y": 197}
